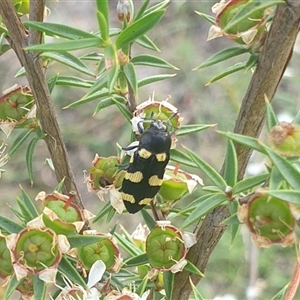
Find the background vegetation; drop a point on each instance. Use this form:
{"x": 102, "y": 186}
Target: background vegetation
{"x": 181, "y": 36}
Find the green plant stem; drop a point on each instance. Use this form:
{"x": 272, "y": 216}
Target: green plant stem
{"x": 19, "y": 39}
{"x": 272, "y": 63}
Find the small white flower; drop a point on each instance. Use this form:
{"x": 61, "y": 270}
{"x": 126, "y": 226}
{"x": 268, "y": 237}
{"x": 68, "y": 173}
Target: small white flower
{"x": 95, "y": 275}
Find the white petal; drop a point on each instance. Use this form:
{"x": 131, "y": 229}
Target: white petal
{"x": 248, "y": 36}
{"x": 96, "y": 273}
{"x": 116, "y": 200}
{"x": 140, "y": 233}
{"x": 41, "y": 196}
{"x": 11, "y": 241}
{"x": 32, "y": 113}
{"x": 20, "y": 271}
{"x": 218, "y": 7}
{"x": 137, "y": 122}
{"x": 191, "y": 184}
{"x": 93, "y": 294}
{"x": 90, "y": 232}
{"x": 7, "y": 128}
{"x": 48, "y": 275}
{"x": 63, "y": 243}
{"x": 87, "y": 215}
{"x": 78, "y": 225}
{"x": 179, "y": 266}
{"x": 50, "y": 214}
{"x": 214, "y": 32}
{"x": 145, "y": 295}
{"x": 152, "y": 274}
{"x": 36, "y": 223}
{"x": 189, "y": 239}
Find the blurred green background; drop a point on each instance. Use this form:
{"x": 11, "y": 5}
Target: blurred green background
{"x": 236, "y": 268}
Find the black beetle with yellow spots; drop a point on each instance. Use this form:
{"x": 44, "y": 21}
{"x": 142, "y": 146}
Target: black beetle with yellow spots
{"x": 144, "y": 174}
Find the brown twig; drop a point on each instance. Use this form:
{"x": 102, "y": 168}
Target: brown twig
{"x": 19, "y": 39}
{"x": 272, "y": 63}
{"x": 294, "y": 284}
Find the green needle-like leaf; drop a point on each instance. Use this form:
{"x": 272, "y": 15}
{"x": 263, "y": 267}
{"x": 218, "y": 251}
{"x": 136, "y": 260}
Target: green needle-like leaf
{"x": 127, "y": 245}
{"x": 210, "y": 172}
{"x": 159, "y": 6}
{"x": 285, "y": 195}
{"x": 247, "y": 184}
{"x": 208, "y": 18}
{"x": 20, "y": 139}
{"x": 271, "y": 116}
{"x": 285, "y": 168}
{"x": 247, "y": 141}
{"x": 203, "y": 208}
{"x": 138, "y": 28}
{"x": 222, "y": 56}
{"x": 130, "y": 74}
{"x": 189, "y": 129}
{"x": 103, "y": 26}
{"x": 9, "y": 225}
{"x": 39, "y": 288}
{"x": 67, "y": 45}
{"x": 29, "y": 157}
{"x": 235, "y": 68}
{"x": 69, "y": 60}
{"x": 152, "y": 61}
{"x": 148, "y": 219}
{"x": 142, "y": 9}
{"x": 197, "y": 295}
{"x": 123, "y": 109}
{"x": 155, "y": 78}
{"x": 67, "y": 269}
{"x": 182, "y": 158}
{"x": 73, "y": 81}
{"x": 280, "y": 295}
{"x": 108, "y": 102}
{"x": 138, "y": 260}
{"x": 60, "y": 30}
{"x": 97, "y": 95}
{"x": 11, "y": 287}
{"x": 169, "y": 283}
{"x": 231, "y": 164}
{"x": 78, "y": 240}
{"x": 32, "y": 211}
{"x": 189, "y": 267}
{"x": 147, "y": 43}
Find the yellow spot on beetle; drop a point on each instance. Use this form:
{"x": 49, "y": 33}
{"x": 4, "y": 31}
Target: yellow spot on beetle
{"x": 131, "y": 159}
{"x": 134, "y": 177}
{"x": 161, "y": 156}
{"x": 145, "y": 201}
{"x": 144, "y": 153}
{"x": 155, "y": 181}
{"x": 127, "y": 197}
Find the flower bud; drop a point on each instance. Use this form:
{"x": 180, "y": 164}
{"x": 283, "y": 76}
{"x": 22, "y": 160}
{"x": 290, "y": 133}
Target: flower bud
{"x": 250, "y": 31}
{"x": 165, "y": 247}
{"x": 176, "y": 184}
{"x": 106, "y": 250}
{"x": 61, "y": 214}
{"x": 269, "y": 220}
{"x": 36, "y": 251}
{"x": 5, "y": 260}
{"x": 284, "y": 138}
{"x": 155, "y": 110}
{"x": 17, "y": 109}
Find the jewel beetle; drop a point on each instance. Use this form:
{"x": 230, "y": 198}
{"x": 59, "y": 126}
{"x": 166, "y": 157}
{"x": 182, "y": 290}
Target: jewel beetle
{"x": 144, "y": 174}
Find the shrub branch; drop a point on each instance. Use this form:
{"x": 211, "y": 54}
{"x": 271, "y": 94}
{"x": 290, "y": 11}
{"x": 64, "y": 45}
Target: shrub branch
{"x": 272, "y": 63}
{"x": 19, "y": 38}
